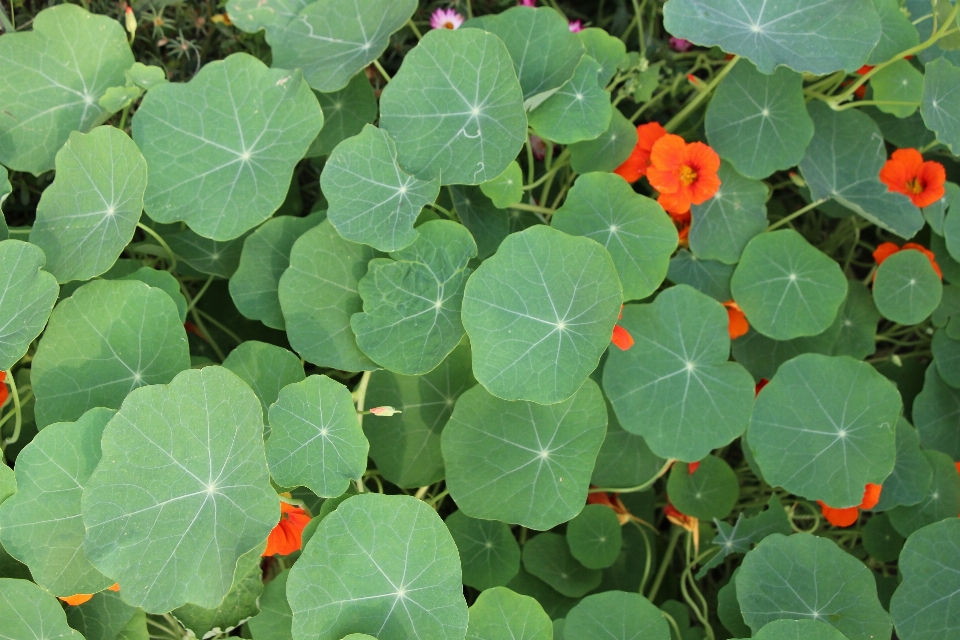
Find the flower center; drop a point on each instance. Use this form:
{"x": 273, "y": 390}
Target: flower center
{"x": 448, "y": 25}
{"x": 914, "y": 186}
{"x": 687, "y": 175}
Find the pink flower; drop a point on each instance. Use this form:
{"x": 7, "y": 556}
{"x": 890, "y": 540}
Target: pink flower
{"x": 527, "y": 3}
{"x": 539, "y": 147}
{"x": 445, "y": 19}
{"x": 576, "y": 26}
{"x": 679, "y": 44}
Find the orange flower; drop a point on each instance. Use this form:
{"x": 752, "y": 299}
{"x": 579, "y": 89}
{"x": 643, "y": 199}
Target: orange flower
{"x": 286, "y": 536}
{"x": 684, "y": 174}
{"x": 614, "y": 502}
{"x": 887, "y": 249}
{"x": 76, "y": 599}
{"x": 871, "y": 496}
{"x": 738, "y": 325}
{"x": 689, "y": 523}
{"x": 4, "y": 392}
{"x": 760, "y": 385}
{"x": 848, "y": 516}
{"x": 692, "y": 468}
{"x": 907, "y": 173}
{"x": 635, "y": 167}
{"x": 621, "y": 337}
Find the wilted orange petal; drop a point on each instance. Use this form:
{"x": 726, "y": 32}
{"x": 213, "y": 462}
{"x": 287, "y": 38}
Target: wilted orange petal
{"x": 737, "y": 322}
{"x": 622, "y": 338}
{"x": 839, "y": 517}
{"x": 871, "y": 496}
{"x": 77, "y": 599}
{"x": 115, "y": 587}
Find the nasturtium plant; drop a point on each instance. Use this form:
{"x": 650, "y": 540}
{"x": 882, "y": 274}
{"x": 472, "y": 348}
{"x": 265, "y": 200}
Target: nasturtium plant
{"x": 393, "y": 319}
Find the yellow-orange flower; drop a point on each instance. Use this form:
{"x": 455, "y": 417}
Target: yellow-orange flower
{"x": 907, "y": 173}
{"x": 684, "y": 174}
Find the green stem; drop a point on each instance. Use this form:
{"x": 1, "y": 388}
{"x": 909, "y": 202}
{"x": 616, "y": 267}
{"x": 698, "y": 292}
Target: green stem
{"x": 648, "y": 564}
{"x": 796, "y": 214}
{"x": 531, "y": 169}
{"x": 219, "y": 325}
{"x": 203, "y": 290}
{"x": 413, "y": 27}
{"x": 649, "y": 103}
{"x": 172, "y": 257}
{"x": 123, "y": 117}
{"x": 873, "y": 103}
{"x": 382, "y": 71}
{"x": 531, "y": 207}
{"x": 360, "y": 396}
{"x": 640, "y": 38}
{"x": 678, "y": 119}
{"x": 18, "y": 422}
{"x": 673, "y": 624}
{"x": 640, "y": 487}
{"x": 665, "y": 562}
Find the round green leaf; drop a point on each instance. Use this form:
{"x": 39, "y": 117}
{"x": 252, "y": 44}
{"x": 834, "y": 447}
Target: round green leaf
{"x": 103, "y": 617}
{"x": 594, "y": 536}
{"x": 451, "y": 117}
{"x": 27, "y": 295}
{"x": 810, "y": 36}
{"x": 89, "y": 213}
{"x": 907, "y": 289}
{"x": 706, "y": 276}
{"x": 507, "y": 188}
{"x": 786, "y": 287}
{"x": 608, "y": 150}
{"x": 331, "y": 40}
{"x": 41, "y": 521}
{"x": 912, "y": 474}
{"x": 489, "y": 554}
{"x": 318, "y": 294}
{"x": 880, "y": 539}
{"x": 858, "y": 323}
{"x": 723, "y": 225}
{"x": 521, "y": 462}
{"x": 270, "y": 15}
{"x": 239, "y": 604}
{"x": 411, "y": 302}
{"x": 606, "y": 49}
{"x": 28, "y": 611}
{"x": 214, "y": 257}
{"x": 578, "y": 110}
{"x": 548, "y": 557}
{"x": 758, "y": 121}
{"x": 164, "y": 281}
{"x": 898, "y": 32}
{"x": 183, "y": 466}
{"x": 728, "y": 609}
{"x": 924, "y": 606}
{"x": 406, "y": 445}
{"x": 52, "y": 82}
{"x": 799, "y": 630}
{"x": 537, "y": 338}
{"x": 360, "y": 572}
{"x": 935, "y": 414}
{"x": 940, "y": 110}
{"x": 221, "y": 148}
{"x": 806, "y": 577}
{"x": 946, "y": 355}
{"x": 624, "y": 460}
{"x": 675, "y": 386}
{"x": 634, "y": 229}
{"x": 486, "y": 223}
{"x": 898, "y": 83}
{"x": 501, "y": 613}
{"x": 709, "y": 492}
{"x": 104, "y": 341}
{"x": 824, "y": 427}
{"x": 265, "y": 368}
{"x": 746, "y": 532}
{"x": 345, "y": 114}
{"x": 316, "y": 440}
{"x": 275, "y": 619}
{"x": 615, "y": 615}
{"x": 372, "y": 200}
{"x": 941, "y": 500}
{"x": 263, "y": 259}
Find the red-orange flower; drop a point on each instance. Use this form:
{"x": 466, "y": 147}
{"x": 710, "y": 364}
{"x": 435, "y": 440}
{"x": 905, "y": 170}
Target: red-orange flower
{"x": 737, "y": 325}
{"x": 76, "y": 599}
{"x": 922, "y": 181}
{"x": 613, "y": 501}
{"x": 760, "y": 385}
{"x": 684, "y": 174}
{"x": 887, "y": 249}
{"x": 4, "y": 392}
{"x": 692, "y": 468}
{"x": 635, "y": 167}
{"x": 847, "y": 516}
{"x": 286, "y": 536}
{"x": 621, "y": 337}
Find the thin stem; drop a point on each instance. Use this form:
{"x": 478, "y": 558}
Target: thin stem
{"x": 531, "y": 207}
{"x": 640, "y": 37}
{"x": 422, "y": 491}
{"x": 868, "y": 103}
{"x": 219, "y": 325}
{"x": 649, "y": 103}
{"x": 360, "y": 396}
{"x": 203, "y": 290}
{"x": 531, "y": 169}
{"x": 665, "y": 563}
{"x": 413, "y": 27}
{"x": 382, "y": 71}
{"x": 678, "y": 119}
{"x": 673, "y": 624}
{"x": 123, "y": 117}
{"x": 796, "y": 214}
{"x": 641, "y": 487}
{"x": 18, "y": 422}
{"x": 12, "y": 413}
{"x": 171, "y": 256}
{"x": 206, "y": 332}
{"x": 648, "y": 563}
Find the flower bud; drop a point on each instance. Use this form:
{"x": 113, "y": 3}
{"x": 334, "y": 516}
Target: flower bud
{"x": 385, "y": 412}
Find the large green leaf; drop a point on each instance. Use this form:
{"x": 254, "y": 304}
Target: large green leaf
{"x": 939, "y": 106}
{"x": 89, "y": 213}
{"x": 804, "y": 577}
{"x": 270, "y": 15}
{"x": 634, "y": 229}
{"x": 275, "y": 619}
{"x": 360, "y": 572}
{"x": 263, "y": 259}
{"x": 759, "y": 121}
{"x": 104, "y": 341}
{"x": 318, "y": 294}
{"x": 579, "y": 110}
{"x": 858, "y": 323}
{"x": 265, "y": 368}
{"x": 706, "y": 276}
{"x": 624, "y": 460}
{"x": 41, "y": 521}
{"x": 506, "y": 189}
{"x": 540, "y": 313}
{"x": 609, "y": 150}
{"x": 897, "y": 31}
{"x": 899, "y": 84}
{"x": 946, "y": 354}
{"x": 824, "y": 427}
{"x": 345, "y": 114}
{"x": 805, "y": 36}
{"x": 316, "y": 440}
{"x": 406, "y": 445}
{"x": 907, "y": 289}
{"x": 52, "y": 80}
{"x": 708, "y": 492}
{"x": 936, "y": 412}
{"x": 594, "y": 536}
{"x": 411, "y": 302}
{"x": 27, "y": 295}
{"x": 798, "y": 630}
{"x": 372, "y": 200}
{"x": 487, "y": 224}
{"x": 214, "y": 257}
{"x": 221, "y": 148}
{"x": 521, "y": 462}
{"x": 489, "y": 553}
{"x": 28, "y": 611}
{"x": 548, "y": 557}
{"x": 912, "y": 474}
{"x": 616, "y": 615}
{"x": 162, "y": 280}
{"x": 331, "y": 40}
{"x": 786, "y": 287}
{"x": 544, "y": 52}
{"x": 675, "y": 386}
{"x": 723, "y": 225}
{"x": 940, "y": 501}
{"x": 843, "y": 162}
{"x": 450, "y": 116}
{"x": 924, "y": 606}
{"x": 103, "y": 617}
{"x": 556, "y": 605}
{"x": 183, "y": 466}
{"x": 239, "y": 604}
{"x": 501, "y": 613}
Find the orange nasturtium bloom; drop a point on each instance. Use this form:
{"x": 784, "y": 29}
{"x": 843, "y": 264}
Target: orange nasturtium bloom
{"x": 887, "y": 249}
{"x": 635, "y": 167}
{"x": 738, "y": 325}
{"x": 848, "y": 516}
{"x": 907, "y": 173}
{"x": 621, "y": 337}
{"x": 80, "y": 598}
{"x": 683, "y": 173}
{"x": 613, "y": 501}
{"x": 4, "y": 392}
{"x": 286, "y": 537}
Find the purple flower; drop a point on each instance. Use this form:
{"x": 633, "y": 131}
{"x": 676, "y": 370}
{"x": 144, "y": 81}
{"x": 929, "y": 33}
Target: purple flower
{"x": 679, "y": 44}
{"x": 576, "y": 26}
{"x": 445, "y": 19}
{"x": 527, "y": 3}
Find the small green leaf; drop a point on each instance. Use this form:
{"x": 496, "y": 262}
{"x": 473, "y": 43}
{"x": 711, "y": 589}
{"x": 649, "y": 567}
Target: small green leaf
{"x": 633, "y": 228}
{"x": 746, "y": 532}
{"x": 940, "y": 502}
{"x": 897, "y": 32}
{"x": 182, "y": 464}
{"x": 548, "y": 557}
{"x": 912, "y": 474}
{"x": 30, "y": 612}
{"x": 939, "y": 107}
{"x": 345, "y": 112}
{"x": 907, "y": 289}
{"x": 594, "y": 536}
{"x": 239, "y": 604}
{"x": 499, "y": 613}
{"x": 605, "y": 49}
{"x": 505, "y": 460}
{"x": 117, "y": 98}
{"x": 728, "y": 609}
{"x": 706, "y": 276}
{"x": 146, "y": 76}
{"x": 759, "y": 121}
{"x": 506, "y": 189}
{"x": 675, "y": 386}
{"x": 489, "y": 553}
{"x": 615, "y": 615}
{"x": 607, "y": 151}
{"x": 880, "y": 539}
{"x": 824, "y": 427}
{"x": 275, "y": 619}
{"x": 53, "y": 79}
{"x": 624, "y": 460}
{"x": 723, "y": 225}
{"x": 103, "y": 617}
{"x": 647, "y": 82}
{"x": 786, "y": 287}
{"x": 316, "y": 440}
{"x": 27, "y": 294}
{"x": 372, "y": 200}
{"x": 219, "y": 258}
{"x": 221, "y": 148}
{"x": 360, "y": 572}
{"x": 266, "y": 369}
{"x": 858, "y": 323}
{"x": 935, "y": 412}
{"x": 710, "y": 492}
{"x": 899, "y": 83}
{"x": 578, "y": 110}
{"x": 552, "y": 602}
